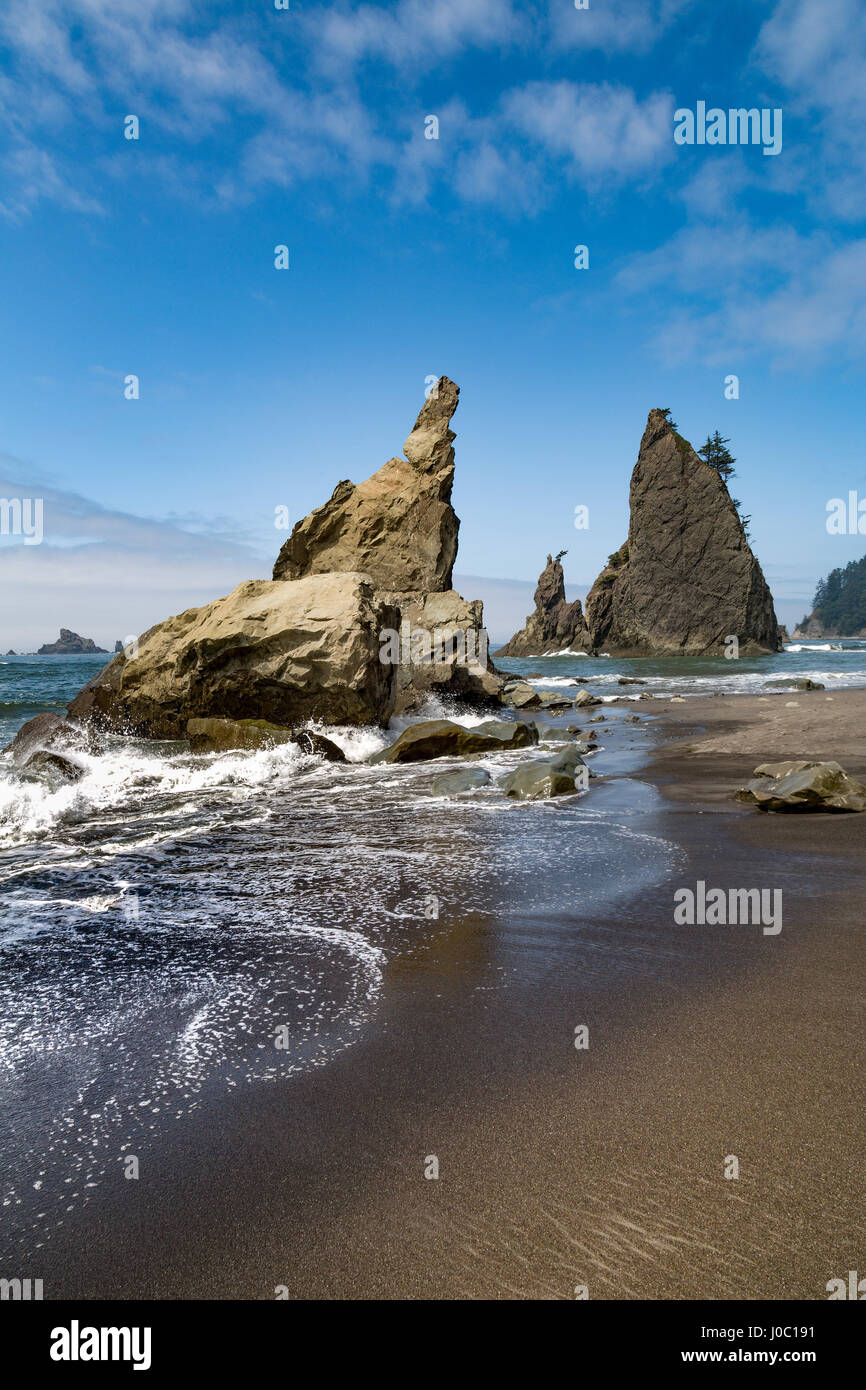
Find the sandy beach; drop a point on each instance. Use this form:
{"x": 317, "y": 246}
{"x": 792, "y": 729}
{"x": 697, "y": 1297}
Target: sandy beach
{"x": 558, "y": 1168}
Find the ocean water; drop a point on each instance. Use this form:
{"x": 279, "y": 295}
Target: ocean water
{"x": 837, "y": 665}
{"x": 173, "y": 927}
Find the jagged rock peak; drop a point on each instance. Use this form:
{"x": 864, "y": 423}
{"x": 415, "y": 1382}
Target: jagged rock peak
{"x": 398, "y": 526}
{"x": 686, "y": 579}
{"x": 430, "y": 443}
{"x": 555, "y": 624}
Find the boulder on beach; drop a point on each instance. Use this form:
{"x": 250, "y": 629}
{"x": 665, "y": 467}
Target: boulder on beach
{"x": 583, "y": 698}
{"x": 226, "y": 735}
{"x": 569, "y": 760}
{"x": 550, "y": 732}
{"x": 799, "y": 683}
{"x": 555, "y": 624}
{"x": 70, "y": 644}
{"x": 803, "y": 786}
{"x": 465, "y": 779}
{"x": 286, "y": 653}
{"x": 441, "y": 738}
{"x": 686, "y": 579}
{"x": 549, "y": 700}
{"x": 520, "y": 695}
{"x": 510, "y": 732}
{"x": 537, "y": 781}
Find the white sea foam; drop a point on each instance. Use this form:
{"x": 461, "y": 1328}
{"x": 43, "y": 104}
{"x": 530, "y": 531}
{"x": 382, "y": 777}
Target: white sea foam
{"x": 124, "y": 777}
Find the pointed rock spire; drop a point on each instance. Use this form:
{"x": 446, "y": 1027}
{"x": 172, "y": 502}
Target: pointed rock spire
{"x": 686, "y": 579}
{"x": 398, "y": 526}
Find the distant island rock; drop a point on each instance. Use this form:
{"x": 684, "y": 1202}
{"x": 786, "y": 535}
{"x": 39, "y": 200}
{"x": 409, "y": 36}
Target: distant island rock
{"x": 555, "y": 625}
{"x": 118, "y": 646}
{"x": 70, "y": 644}
{"x": 686, "y": 578}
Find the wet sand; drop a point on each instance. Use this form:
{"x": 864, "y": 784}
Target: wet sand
{"x": 558, "y": 1167}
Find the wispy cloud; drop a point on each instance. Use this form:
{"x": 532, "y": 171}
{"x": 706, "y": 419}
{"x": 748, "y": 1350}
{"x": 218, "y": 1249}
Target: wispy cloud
{"x": 733, "y": 290}
{"x": 419, "y": 33}
{"x": 109, "y": 570}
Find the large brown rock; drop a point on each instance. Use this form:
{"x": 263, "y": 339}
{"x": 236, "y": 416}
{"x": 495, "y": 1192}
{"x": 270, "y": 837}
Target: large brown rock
{"x": 269, "y": 650}
{"x": 686, "y": 578}
{"x": 398, "y": 526}
{"x": 555, "y": 624}
{"x": 442, "y": 650}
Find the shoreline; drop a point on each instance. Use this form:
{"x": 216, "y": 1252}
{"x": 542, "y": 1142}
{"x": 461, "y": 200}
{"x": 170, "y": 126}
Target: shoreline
{"x": 557, "y": 1167}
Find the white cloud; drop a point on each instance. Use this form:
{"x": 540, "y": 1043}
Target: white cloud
{"x": 596, "y": 129}
{"x": 742, "y": 290}
{"x": 416, "y": 32}
{"x": 628, "y": 26}
{"x": 817, "y": 50}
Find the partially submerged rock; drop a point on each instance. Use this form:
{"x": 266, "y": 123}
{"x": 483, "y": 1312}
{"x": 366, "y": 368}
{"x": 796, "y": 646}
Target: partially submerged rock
{"x": 465, "y": 779}
{"x": 510, "y": 732}
{"x": 67, "y": 769}
{"x": 537, "y": 781}
{"x": 226, "y": 735}
{"x": 569, "y": 760}
{"x": 803, "y": 786}
{"x": 49, "y": 733}
{"x": 799, "y": 683}
{"x": 520, "y": 695}
{"x": 549, "y": 700}
{"x": 441, "y": 738}
{"x": 368, "y": 572}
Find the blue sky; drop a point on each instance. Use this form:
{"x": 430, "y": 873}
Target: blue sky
{"x": 409, "y": 258}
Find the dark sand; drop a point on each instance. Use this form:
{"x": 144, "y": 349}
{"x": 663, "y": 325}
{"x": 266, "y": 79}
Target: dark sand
{"x": 559, "y": 1167}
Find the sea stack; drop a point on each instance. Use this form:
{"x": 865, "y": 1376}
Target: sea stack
{"x": 359, "y": 620}
{"x": 555, "y": 625}
{"x": 400, "y": 528}
{"x": 686, "y": 580}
